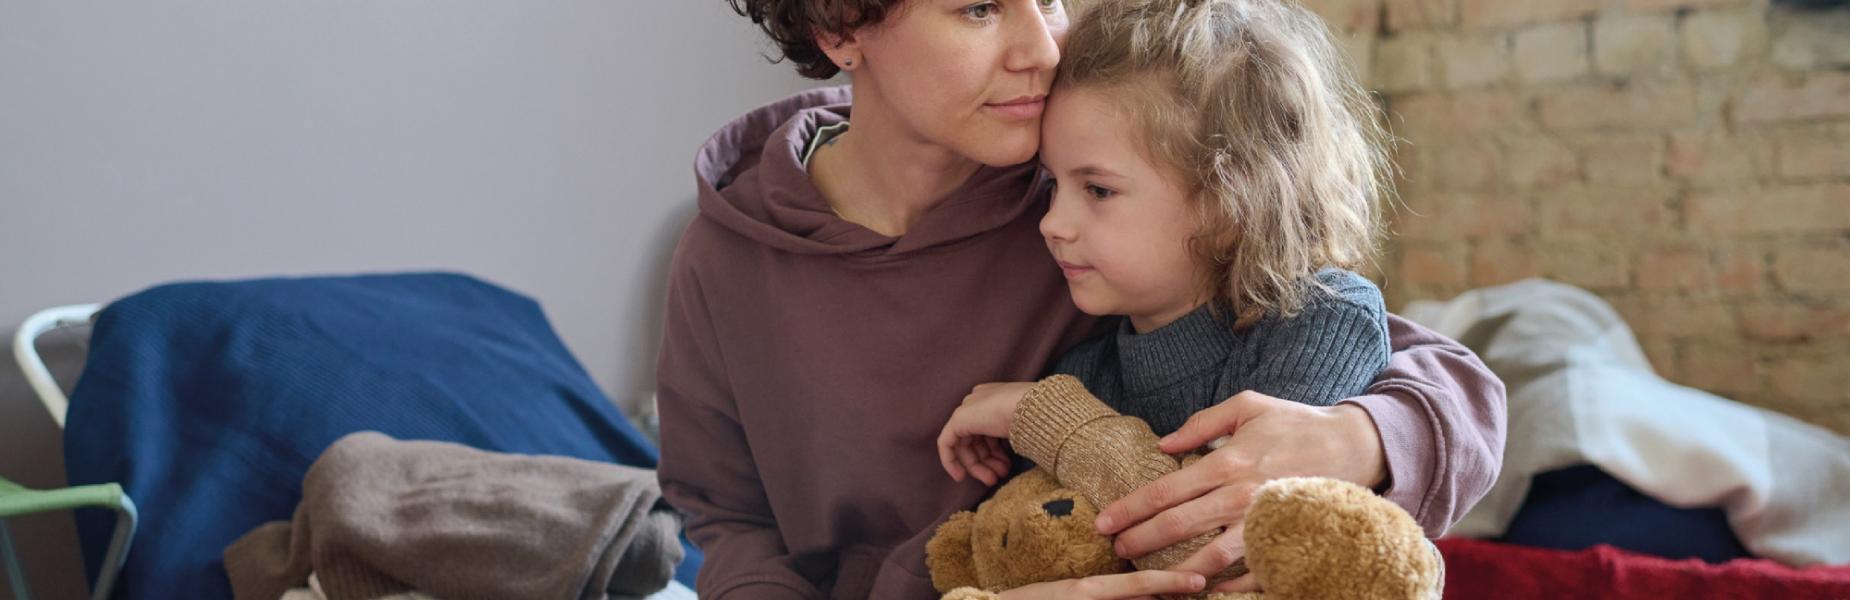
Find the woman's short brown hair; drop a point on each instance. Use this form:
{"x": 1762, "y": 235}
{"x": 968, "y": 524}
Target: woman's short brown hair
{"x": 794, "y": 25}
{"x": 1253, "y": 106}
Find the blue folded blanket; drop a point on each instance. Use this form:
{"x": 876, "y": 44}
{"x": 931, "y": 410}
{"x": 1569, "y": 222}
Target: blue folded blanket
{"x": 1582, "y": 506}
{"x": 209, "y": 401}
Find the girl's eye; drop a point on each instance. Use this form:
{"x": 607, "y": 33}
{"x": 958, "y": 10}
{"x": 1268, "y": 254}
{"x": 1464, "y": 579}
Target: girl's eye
{"x": 981, "y": 12}
{"x": 1048, "y": 5}
{"x": 1099, "y": 193}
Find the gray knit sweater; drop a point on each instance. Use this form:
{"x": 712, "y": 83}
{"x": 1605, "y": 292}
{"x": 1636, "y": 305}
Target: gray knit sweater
{"x": 1328, "y": 352}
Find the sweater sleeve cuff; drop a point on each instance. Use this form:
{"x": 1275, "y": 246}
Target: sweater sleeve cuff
{"x": 1054, "y": 410}
{"x": 1409, "y": 445}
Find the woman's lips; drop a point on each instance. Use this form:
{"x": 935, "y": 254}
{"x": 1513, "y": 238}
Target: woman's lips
{"x": 1023, "y": 108}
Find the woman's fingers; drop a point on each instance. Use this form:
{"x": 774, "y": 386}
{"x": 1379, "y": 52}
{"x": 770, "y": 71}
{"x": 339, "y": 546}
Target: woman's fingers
{"x": 1156, "y": 497}
{"x": 1216, "y": 421}
{"x": 1211, "y": 509}
{"x": 1138, "y": 583}
{"x": 1243, "y": 583}
{"x": 1211, "y": 559}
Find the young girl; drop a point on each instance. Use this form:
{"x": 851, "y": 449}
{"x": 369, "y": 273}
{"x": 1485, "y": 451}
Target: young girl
{"x": 1217, "y": 171}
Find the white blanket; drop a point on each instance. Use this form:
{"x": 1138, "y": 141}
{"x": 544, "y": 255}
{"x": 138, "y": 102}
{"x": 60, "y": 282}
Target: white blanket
{"x": 1581, "y": 391}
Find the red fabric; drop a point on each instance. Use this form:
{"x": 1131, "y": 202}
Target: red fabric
{"x": 1480, "y": 569}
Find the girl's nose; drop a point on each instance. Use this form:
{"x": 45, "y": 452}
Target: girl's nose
{"x": 1056, "y": 225}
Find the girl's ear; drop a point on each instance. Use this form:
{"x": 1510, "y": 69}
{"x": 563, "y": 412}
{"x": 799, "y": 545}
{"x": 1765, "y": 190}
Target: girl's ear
{"x": 950, "y": 555}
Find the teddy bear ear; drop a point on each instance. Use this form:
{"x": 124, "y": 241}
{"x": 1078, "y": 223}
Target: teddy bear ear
{"x": 950, "y": 555}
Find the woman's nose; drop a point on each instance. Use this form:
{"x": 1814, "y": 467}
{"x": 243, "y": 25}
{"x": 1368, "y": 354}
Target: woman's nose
{"x": 1034, "y": 43}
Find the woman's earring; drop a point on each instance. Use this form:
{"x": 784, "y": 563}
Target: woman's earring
{"x": 848, "y": 63}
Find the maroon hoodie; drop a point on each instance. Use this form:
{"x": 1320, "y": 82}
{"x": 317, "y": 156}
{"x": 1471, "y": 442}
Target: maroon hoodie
{"x": 808, "y": 364}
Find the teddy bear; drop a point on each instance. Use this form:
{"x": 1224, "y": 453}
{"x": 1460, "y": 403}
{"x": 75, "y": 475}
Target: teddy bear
{"x": 1305, "y": 537}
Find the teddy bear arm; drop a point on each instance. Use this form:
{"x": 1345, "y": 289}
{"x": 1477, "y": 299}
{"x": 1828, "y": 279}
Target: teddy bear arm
{"x": 1088, "y": 446}
{"x": 1109, "y": 458}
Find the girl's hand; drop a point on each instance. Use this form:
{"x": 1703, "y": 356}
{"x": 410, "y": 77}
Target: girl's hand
{"x": 1121, "y": 586}
{"x": 971, "y": 441}
{"x": 1266, "y": 438}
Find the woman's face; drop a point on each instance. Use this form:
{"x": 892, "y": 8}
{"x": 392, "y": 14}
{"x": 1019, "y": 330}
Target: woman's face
{"x": 969, "y": 75}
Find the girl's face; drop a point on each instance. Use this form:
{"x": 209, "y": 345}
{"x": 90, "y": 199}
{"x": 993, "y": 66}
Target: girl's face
{"x": 969, "y": 75}
{"x": 1119, "y": 225}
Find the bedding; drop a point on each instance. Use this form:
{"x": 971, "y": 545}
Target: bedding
{"x": 1477, "y": 569}
{"x": 208, "y": 401}
{"x": 1581, "y": 392}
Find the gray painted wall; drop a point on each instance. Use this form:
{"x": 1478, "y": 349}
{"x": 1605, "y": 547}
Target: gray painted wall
{"x": 543, "y": 146}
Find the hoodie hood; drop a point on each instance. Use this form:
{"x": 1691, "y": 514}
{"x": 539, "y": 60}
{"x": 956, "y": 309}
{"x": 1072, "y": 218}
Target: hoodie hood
{"x": 752, "y": 181}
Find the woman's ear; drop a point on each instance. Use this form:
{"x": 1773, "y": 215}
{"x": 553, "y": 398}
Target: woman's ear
{"x": 844, "y": 51}
{"x": 950, "y": 555}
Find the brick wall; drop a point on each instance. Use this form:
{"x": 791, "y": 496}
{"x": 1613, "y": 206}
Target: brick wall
{"x": 1687, "y": 160}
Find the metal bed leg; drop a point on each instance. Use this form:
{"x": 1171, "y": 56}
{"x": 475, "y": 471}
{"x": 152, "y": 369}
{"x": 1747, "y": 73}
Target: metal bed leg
{"x": 118, "y": 550}
{"x": 14, "y": 575}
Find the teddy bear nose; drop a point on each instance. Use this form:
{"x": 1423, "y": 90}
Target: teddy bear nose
{"x": 1058, "y": 508}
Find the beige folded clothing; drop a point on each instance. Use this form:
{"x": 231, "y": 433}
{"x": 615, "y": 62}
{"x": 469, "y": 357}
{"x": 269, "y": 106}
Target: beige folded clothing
{"x": 381, "y": 516}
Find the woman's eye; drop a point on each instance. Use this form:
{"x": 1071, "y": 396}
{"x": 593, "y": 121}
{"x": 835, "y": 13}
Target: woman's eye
{"x": 1048, "y": 5}
{"x": 981, "y": 12}
{"x": 1099, "y": 193}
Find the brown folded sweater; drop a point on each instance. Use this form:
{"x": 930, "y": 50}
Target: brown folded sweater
{"x": 381, "y": 516}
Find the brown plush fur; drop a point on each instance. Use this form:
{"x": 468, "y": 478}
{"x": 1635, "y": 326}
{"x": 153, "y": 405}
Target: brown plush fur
{"x": 1013, "y": 540}
{"x": 1322, "y": 538}
{"x": 1306, "y": 538}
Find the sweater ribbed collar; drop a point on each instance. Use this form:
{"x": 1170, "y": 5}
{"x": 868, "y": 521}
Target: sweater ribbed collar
{"x": 1154, "y": 360}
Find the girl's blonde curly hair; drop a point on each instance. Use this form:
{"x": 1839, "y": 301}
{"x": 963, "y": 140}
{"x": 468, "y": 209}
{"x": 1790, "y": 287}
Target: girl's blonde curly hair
{"x": 1253, "y": 106}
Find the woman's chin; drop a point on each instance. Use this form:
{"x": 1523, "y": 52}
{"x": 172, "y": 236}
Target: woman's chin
{"x": 1006, "y": 148}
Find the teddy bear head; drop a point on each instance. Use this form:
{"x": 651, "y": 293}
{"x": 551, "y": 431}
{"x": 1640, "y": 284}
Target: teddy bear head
{"x": 1032, "y": 530}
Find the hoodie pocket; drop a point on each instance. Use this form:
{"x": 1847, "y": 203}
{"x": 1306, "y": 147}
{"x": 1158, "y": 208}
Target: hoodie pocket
{"x": 854, "y": 578}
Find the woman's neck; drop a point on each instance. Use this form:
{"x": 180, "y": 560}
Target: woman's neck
{"x": 880, "y": 176}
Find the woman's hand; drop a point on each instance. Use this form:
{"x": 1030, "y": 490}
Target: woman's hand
{"x": 1122, "y": 586}
{"x": 971, "y": 441}
{"x": 1265, "y": 438}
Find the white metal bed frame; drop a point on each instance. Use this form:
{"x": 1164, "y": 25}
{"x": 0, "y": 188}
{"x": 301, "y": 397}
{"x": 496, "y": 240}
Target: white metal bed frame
{"x": 25, "y": 351}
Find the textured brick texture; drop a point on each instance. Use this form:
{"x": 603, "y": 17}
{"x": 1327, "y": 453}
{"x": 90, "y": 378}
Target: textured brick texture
{"x": 1687, "y": 160}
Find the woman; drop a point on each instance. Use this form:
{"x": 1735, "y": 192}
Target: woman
{"x": 843, "y": 288}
